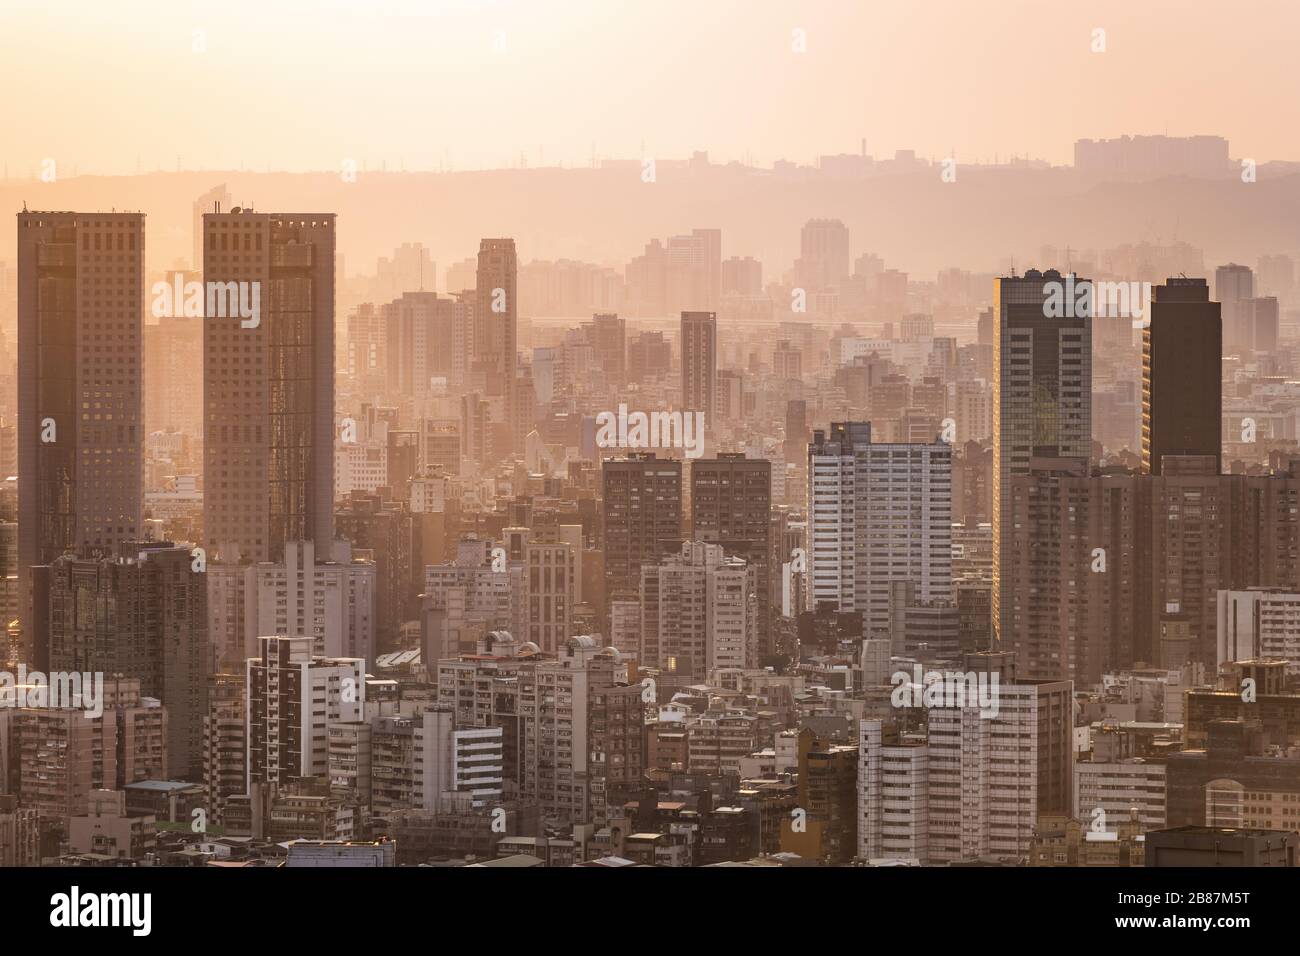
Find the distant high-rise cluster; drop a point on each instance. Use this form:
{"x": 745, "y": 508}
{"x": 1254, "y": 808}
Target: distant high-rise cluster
{"x": 679, "y": 561}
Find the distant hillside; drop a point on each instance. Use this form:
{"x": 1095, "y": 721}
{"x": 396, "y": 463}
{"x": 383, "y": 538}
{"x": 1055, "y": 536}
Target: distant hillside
{"x": 915, "y": 221}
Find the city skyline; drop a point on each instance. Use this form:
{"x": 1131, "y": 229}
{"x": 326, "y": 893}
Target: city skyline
{"x": 839, "y": 507}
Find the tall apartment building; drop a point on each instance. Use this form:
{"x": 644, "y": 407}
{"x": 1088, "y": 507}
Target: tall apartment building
{"x": 894, "y": 794}
{"x": 1234, "y": 288}
{"x": 743, "y": 277}
{"x": 642, "y": 510}
{"x": 823, "y": 261}
{"x": 418, "y": 328}
{"x": 550, "y": 579}
{"x": 1265, "y": 324}
{"x": 268, "y": 388}
{"x": 617, "y": 738}
{"x": 293, "y": 697}
{"x": 466, "y": 599}
{"x": 731, "y": 506}
{"x": 63, "y": 753}
{"x": 1042, "y": 381}
{"x": 1099, "y": 564}
{"x": 367, "y": 354}
{"x": 699, "y": 612}
{"x": 332, "y": 602}
{"x": 351, "y": 770}
{"x": 223, "y": 743}
{"x": 828, "y": 795}
{"x": 975, "y": 786}
{"x": 557, "y": 753}
{"x": 973, "y": 404}
{"x": 544, "y": 706}
{"x": 418, "y": 761}
{"x": 607, "y": 335}
{"x": 879, "y": 515}
{"x": 80, "y": 387}
{"x": 1182, "y": 381}
{"x": 392, "y": 763}
{"x": 143, "y": 615}
{"x": 699, "y": 352}
{"x": 685, "y": 272}
{"x": 496, "y": 321}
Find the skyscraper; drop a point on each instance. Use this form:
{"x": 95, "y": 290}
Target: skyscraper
{"x": 80, "y": 397}
{"x": 1042, "y": 379}
{"x": 699, "y": 362}
{"x": 269, "y": 383}
{"x": 1182, "y": 348}
{"x": 1234, "y": 287}
{"x": 496, "y": 318}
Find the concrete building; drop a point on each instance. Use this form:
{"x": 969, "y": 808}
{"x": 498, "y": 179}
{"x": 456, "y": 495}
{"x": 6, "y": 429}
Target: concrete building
{"x": 144, "y": 615}
{"x": 293, "y": 699}
{"x": 717, "y": 741}
{"x": 1182, "y": 390}
{"x": 1196, "y": 846}
{"x": 64, "y": 754}
{"x": 975, "y": 785}
{"x": 331, "y": 853}
{"x": 332, "y": 602}
{"x": 418, "y": 326}
{"x": 879, "y": 514}
{"x": 1237, "y": 780}
{"x": 224, "y": 741}
{"x": 269, "y": 385}
{"x": 465, "y": 600}
{"x": 893, "y": 795}
{"x": 550, "y": 578}
{"x": 81, "y": 309}
{"x": 1259, "y": 623}
{"x": 496, "y": 320}
{"x": 1042, "y": 380}
{"x": 827, "y": 827}
{"x": 19, "y": 833}
{"x": 731, "y": 506}
{"x": 699, "y": 353}
{"x": 1098, "y": 568}
{"x": 543, "y": 706}
{"x": 698, "y": 612}
{"x": 642, "y": 510}
{"x": 107, "y": 828}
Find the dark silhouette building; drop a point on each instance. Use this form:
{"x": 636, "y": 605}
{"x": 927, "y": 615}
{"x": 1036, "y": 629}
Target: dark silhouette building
{"x": 1182, "y": 347}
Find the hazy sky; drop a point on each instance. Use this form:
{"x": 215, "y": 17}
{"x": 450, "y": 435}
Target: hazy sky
{"x": 305, "y": 84}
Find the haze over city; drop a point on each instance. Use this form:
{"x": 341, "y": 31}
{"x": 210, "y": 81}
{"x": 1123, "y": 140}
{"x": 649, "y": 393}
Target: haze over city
{"x": 536, "y": 434}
